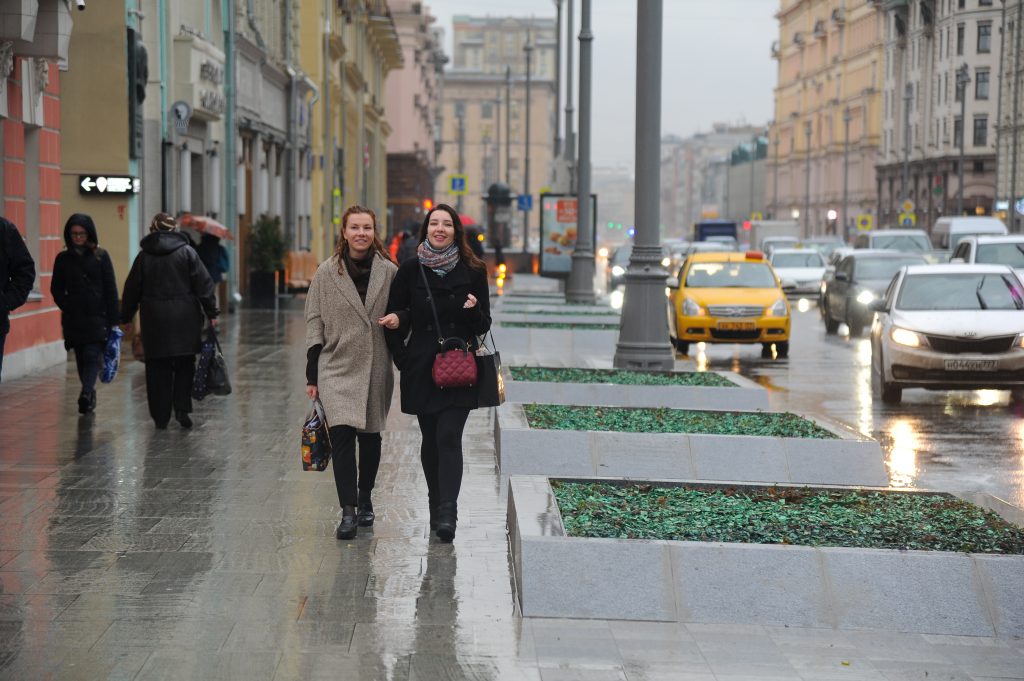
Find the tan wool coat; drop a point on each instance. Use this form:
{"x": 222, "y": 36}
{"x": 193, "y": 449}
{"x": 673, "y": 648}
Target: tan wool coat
{"x": 355, "y": 376}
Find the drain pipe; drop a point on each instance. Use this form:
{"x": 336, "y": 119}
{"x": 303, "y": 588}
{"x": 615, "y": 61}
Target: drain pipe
{"x": 230, "y": 136}
{"x": 250, "y": 15}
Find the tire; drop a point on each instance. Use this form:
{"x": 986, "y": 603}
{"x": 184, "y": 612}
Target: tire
{"x": 831, "y": 325}
{"x": 682, "y": 347}
{"x": 766, "y": 351}
{"x": 782, "y": 349}
{"x": 855, "y": 325}
{"x": 889, "y": 393}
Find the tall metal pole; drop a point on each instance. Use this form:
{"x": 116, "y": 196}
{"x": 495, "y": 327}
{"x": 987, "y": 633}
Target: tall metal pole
{"x": 528, "y": 48}
{"x": 460, "y": 115}
{"x": 962, "y": 79}
{"x": 557, "y": 148}
{"x": 908, "y": 95}
{"x": 807, "y": 181}
{"x": 570, "y": 137}
{"x": 508, "y": 125}
{"x": 775, "y": 181}
{"x": 753, "y": 154}
{"x": 230, "y": 217}
{"x": 847, "y": 117}
{"x": 497, "y": 137}
{"x": 643, "y": 335}
{"x": 580, "y": 288}
{"x": 1016, "y": 130}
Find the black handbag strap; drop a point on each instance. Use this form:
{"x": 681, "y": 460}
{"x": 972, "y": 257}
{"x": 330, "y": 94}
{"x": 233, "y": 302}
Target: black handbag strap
{"x": 430, "y": 299}
{"x": 216, "y": 341}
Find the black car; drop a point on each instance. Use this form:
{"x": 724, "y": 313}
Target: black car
{"x": 861, "y": 278}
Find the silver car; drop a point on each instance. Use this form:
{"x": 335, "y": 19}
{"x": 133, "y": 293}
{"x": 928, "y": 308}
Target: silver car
{"x": 948, "y": 327}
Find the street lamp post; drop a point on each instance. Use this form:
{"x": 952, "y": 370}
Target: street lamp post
{"x": 460, "y": 115}
{"x": 643, "y": 333}
{"x": 753, "y": 155}
{"x": 962, "y": 79}
{"x": 847, "y": 117}
{"x": 775, "y": 181}
{"x": 908, "y": 95}
{"x": 570, "y": 138}
{"x": 807, "y": 180}
{"x": 580, "y": 287}
{"x": 556, "y": 149}
{"x": 508, "y": 125}
{"x": 528, "y": 48}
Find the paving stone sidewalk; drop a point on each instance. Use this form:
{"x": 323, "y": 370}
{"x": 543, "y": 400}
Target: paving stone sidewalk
{"x": 130, "y": 553}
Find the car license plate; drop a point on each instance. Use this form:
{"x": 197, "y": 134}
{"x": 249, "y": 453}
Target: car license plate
{"x": 970, "y": 365}
{"x": 736, "y": 326}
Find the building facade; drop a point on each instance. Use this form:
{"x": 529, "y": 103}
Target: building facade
{"x": 1009, "y": 128}
{"x": 413, "y": 101}
{"x": 927, "y": 44}
{"x": 828, "y": 113}
{"x": 34, "y": 52}
{"x": 745, "y": 181}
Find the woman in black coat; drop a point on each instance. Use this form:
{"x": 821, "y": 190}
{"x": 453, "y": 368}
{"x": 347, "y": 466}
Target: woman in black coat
{"x": 458, "y": 287}
{"x": 172, "y": 291}
{"x": 85, "y": 290}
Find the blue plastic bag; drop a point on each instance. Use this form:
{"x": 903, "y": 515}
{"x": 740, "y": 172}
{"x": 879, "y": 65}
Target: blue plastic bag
{"x": 112, "y": 355}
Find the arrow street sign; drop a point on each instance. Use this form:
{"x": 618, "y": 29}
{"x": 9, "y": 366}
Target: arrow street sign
{"x": 107, "y": 184}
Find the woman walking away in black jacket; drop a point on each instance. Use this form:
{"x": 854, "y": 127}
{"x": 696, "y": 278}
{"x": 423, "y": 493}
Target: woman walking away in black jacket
{"x": 85, "y": 290}
{"x": 172, "y": 290}
{"x": 458, "y": 287}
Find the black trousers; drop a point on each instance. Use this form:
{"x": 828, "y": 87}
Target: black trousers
{"x": 441, "y": 453}
{"x": 89, "y": 360}
{"x": 169, "y": 384}
{"x": 3, "y": 338}
{"x": 343, "y": 455}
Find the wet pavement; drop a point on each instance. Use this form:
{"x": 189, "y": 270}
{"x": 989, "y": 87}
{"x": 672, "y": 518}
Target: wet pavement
{"x": 131, "y": 553}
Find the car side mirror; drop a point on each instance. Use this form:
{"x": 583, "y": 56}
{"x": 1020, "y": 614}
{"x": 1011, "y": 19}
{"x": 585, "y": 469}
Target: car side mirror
{"x": 672, "y": 282}
{"x": 842, "y": 276}
{"x": 879, "y": 305}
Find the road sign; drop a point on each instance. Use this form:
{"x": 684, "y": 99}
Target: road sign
{"x": 524, "y": 202}
{"x": 864, "y": 222}
{"x": 907, "y": 206}
{"x": 908, "y": 219}
{"x": 1019, "y": 206}
{"x": 457, "y": 185}
{"x": 107, "y": 184}
{"x": 756, "y": 215}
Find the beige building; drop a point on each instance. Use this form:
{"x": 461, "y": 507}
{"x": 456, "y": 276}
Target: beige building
{"x": 830, "y": 55}
{"x": 925, "y": 45}
{"x": 1010, "y": 119}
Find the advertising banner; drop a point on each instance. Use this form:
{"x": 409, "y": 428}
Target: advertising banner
{"x": 558, "y": 232}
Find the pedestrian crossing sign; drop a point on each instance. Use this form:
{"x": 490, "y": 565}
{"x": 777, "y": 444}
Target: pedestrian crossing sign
{"x": 457, "y": 185}
{"x": 908, "y": 219}
{"x": 864, "y": 222}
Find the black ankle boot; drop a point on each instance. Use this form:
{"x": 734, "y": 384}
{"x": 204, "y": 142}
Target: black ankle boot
{"x": 366, "y": 515}
{"x": 183, "y": 419}
{"x": 447, "y": 516}
{"x": 92, "y": 402}
{"x": 349, "y": 526}
{"x": 83, "y": 402}
{"x": 433, "y": 517}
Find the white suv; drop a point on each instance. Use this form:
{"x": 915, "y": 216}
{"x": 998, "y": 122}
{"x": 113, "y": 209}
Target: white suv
{"x": 991, "y": 250}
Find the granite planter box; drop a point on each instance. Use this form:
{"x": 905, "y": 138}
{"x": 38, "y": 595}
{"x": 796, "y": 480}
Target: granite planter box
{"x": 934, "y": 592}
{"x": 555, "y": 317}
{"x": 742, "y": 394}
{"x": 519, "y": 344}
{"x": 848, "y": 459}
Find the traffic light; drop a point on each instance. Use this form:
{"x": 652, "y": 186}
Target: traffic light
{"x": 746, "y": 225}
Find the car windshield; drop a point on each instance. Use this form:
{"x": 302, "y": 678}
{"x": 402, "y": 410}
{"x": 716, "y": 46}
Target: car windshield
{"x": 901, "y": 242}
{"x": 812, "y": 259}
{"x": 1011, "y": 254}
{"x": 968, "y": 291}
{"x": 730, "y": 275}
{"x": 883, "y": 268}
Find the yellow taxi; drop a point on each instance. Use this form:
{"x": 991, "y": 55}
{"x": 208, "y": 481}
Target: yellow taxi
{"x": 729, "y": 298}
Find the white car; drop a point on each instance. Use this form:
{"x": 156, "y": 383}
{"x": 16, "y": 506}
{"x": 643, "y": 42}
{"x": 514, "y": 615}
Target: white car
{"x": 992, "y": 250}
{"x": 949, "y": 327}
{"x": 799, "y": 269}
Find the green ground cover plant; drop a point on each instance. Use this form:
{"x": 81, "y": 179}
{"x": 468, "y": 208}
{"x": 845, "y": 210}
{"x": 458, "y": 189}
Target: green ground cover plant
{"x": 618, "y": 377}
{"x": 561, "y": 325}
{"x": 772, "y": 515}
{"x": 662, "y": 420}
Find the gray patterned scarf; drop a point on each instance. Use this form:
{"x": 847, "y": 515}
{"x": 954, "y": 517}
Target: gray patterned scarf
{"x": 442, "y": 262}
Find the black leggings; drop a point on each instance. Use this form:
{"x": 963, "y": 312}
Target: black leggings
{"x": 343, "y": 453}
{"x": 441, "y": 453}
{"x": 89, "y": 360}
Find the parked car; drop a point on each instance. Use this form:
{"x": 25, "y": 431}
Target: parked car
{"x": 860, "y": 279}
{"x": 800, "y": 269}
{"x": 992, "y": 250}
{"x": 945, "y": 327}
{"x": 909, "y": 240}
{"x": 728, "y": 298}
{"x": 948, "y": 231}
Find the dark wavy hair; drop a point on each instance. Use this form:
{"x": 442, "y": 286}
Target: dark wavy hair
{"x": 342, "y": 249}
{"x": 468, "y": 256}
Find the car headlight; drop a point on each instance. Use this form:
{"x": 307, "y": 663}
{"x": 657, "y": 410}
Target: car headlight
{"x": 691, "y": 308}
{"x": 1020, "y": 341}
{"x": 906, "y": 337}
{"x": 778, "y": 309}
{"x": 865, "y": 297}
{"x": 665, "y": 262}
{"x": 618, "y": 271}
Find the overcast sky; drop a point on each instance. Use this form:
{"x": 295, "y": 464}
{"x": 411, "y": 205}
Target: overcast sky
{"x": 716, "y": 63}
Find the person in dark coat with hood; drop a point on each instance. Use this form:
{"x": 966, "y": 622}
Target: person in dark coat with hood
{"x": 17, "y": 274}
{"x": 85, "y": 290}
{"x": 457, "y": 282}
{"x": 172, "y": 291}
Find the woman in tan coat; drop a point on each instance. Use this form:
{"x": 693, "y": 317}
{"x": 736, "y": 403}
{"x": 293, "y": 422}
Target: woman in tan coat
{"x": 348, "y": 365}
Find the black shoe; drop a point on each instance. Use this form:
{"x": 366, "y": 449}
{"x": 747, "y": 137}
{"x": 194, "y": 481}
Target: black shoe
{"x": 161, "y": 425}
{"x": 183, "y": 419}
{"x": 83, "y": 402}
{"x": 433, "y": 518}
{"x": 92, "y": 401}
{"x": 447, "y": 517}
{"x": 366, "y": 515}
{"x": 349, "y": 525}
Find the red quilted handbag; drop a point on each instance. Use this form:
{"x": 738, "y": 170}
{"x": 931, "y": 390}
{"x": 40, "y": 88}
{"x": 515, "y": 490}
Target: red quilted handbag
{"x": 454, "y": 365}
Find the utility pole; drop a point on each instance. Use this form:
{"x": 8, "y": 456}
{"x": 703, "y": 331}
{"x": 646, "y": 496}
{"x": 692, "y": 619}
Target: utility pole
{"x": 643, "y": 333}
{"x": 753, "y": 155}
{"x": 807, "y": 181}
{"x": 230, "y": 160}
{"x": 580, "y": 287}
{"x": 508, "y": 125}
{"x": 1016, "y": 129}
{"x": 460, "y": 115}
{"x": 570, "y": 137}
{"x": 962, "y": 79}
{"x": 908, "y": 96}
{"x": 497, "y": 136}
{"x": 847, "y": 117}
{"x": 557, "y": 148}
{"x": 528, "y": 48}
{"x": 775, "y": 181}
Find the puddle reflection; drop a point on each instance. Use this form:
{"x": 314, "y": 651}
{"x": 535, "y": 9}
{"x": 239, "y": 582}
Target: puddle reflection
{"x": 901, "y": 459}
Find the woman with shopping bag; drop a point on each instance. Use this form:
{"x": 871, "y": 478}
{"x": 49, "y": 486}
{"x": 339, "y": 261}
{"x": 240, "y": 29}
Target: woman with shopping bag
{"x": 441, "y": 299}
{"x": 348, "y": 367}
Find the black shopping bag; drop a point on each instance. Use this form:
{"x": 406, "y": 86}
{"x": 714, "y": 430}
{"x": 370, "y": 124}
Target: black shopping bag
{"x": 316, "y": 440}
{"x": 217, "y": 373}
{"x": 490, "y": 384}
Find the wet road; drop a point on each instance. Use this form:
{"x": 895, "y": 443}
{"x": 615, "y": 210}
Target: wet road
{"x": 960, "y": 440}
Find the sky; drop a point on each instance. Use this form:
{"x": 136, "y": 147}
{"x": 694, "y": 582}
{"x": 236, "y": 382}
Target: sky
{"x": 716, "y": 63}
